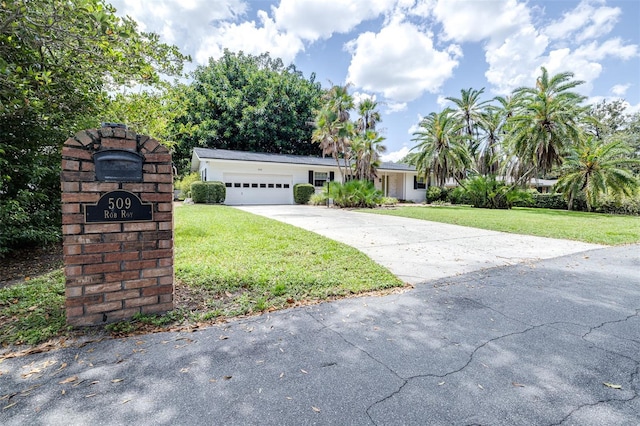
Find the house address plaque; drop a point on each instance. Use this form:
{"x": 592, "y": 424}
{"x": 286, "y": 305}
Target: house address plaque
{"x": 118, "y": 206}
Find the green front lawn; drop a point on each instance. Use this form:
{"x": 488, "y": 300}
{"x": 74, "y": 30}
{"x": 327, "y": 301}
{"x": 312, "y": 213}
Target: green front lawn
{"x": 241, "y": 262}
{"x": 579, "y": 226}
{"x": 227, "y": 262}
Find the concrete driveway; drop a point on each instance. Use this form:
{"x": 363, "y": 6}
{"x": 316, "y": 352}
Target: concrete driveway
{"x": 415, "y": 250}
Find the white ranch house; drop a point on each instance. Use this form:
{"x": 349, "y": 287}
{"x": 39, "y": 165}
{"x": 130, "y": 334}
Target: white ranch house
{"x": 259, "y": 178}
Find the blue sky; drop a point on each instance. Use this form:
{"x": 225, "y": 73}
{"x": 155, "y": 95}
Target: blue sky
{"x": 412, "y": 54}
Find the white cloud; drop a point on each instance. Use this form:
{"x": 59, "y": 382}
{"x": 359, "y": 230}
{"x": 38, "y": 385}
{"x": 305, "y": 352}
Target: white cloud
{"x": 620, "y": 89}
{"x": 585, "y": 61}
{"x": 516, "y": 61}
{"x": 400, "y": 62}
{"x": 396, "y": 155}
{"x": 250, "y": 38}
{"x": 442, "y": 101}
{"x": 474, "y": 21}
{"x": 584, "y": 22}
{"x": 392, "y": 107}
{"x": 632, "y": 109}
{"x": 180, "y": 22}
{"x": 361, "y": 96}
{"x": 315, "y": 19}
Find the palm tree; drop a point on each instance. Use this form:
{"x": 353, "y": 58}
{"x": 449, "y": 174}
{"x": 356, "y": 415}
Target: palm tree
{"x": 545, "y": 122}
{"x": 367, "y": 148}
{"x": 333, "y": 130}
{"x": 469, "y": 111}
{"x": 326, "y": 135}
{"x": 491, "y": 122}
{"x": 595, "y": 167}
{"x": 369, "y": 115}
{"x": 442, "y": 152}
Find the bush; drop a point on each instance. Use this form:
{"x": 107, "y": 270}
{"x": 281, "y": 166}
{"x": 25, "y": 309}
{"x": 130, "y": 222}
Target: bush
{"x": 619, "y": 205}
{"x": 355, "y": 193}
{"x": 435, "y": 193}
{"x": 489, "y": 193}
{"x": 208, "y": 192}
{"x": 184, "y": 184}
{"x": 458, "y": 196}
{"x": 318, "y": 199}
{"x": 302, "y": 192}
{"x": 550, "y": 201}
{"x": 31, "y": 219}
{"x": 388, "y": 201}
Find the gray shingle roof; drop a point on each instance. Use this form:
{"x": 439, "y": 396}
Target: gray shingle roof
{"x": 226, "y": 154}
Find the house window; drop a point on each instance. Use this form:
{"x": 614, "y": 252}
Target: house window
{"x": 236, "y": 185}
{"x": 320, "y": 178}
{"x": 419, "y": 182}
{"x": 227, "y": 184}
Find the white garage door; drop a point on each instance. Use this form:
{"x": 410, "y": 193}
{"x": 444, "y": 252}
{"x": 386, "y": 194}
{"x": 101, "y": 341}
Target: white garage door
{"x": 258, "y": 189}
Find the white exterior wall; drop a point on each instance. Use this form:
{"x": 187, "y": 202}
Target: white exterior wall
{"x": 400, "y": 184}
{"x": 415, "y": 195}
{"x": 257, "y": 172}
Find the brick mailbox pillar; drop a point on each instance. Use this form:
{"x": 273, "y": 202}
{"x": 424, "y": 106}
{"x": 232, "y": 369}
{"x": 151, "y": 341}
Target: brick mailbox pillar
{"x": 117, "y": 225}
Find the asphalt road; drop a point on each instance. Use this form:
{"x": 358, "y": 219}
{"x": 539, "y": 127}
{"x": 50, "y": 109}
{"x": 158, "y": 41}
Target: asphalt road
{"x": 541, "y": 342}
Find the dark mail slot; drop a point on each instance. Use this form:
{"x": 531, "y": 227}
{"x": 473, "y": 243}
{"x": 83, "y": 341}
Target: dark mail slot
{"x": 115, "y": 165}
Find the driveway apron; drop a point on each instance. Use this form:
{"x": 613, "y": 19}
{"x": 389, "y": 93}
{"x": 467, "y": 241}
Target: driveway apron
{"x": 416, "y": 250}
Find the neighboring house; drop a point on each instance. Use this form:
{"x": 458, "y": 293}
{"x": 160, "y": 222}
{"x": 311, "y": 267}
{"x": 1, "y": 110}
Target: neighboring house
{"x": 259, "y": 178}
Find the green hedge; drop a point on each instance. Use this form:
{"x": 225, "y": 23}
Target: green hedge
{"x": 208, "y": 192}
{"x": 302, "y": 192}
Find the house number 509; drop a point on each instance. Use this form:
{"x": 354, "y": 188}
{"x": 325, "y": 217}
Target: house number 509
{"x": 119, "y": 203}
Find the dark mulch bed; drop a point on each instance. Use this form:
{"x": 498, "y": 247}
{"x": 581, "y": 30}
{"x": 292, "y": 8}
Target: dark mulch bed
{"x": 23, "y": 264}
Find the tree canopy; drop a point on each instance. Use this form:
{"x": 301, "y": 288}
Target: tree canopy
{"x": 58, "y": 59}
{"x": 249, "y": 103}
{"x": 540, "y": 131}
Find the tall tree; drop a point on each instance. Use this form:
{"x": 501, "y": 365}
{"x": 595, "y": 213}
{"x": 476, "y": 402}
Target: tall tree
{"x": 249, "y": 103}
{"x": 326, "y": 135}
{"x": 442, "y": 152}
{"x": 369, "y": 115}
{"x": 546, "y": 122}
{"x": 595, "y": 167}
{"x": 367, "y": 147}
{"x": 469, "y": 111}
{"x": 334, "y": 131}
{"x": 58, "y": 58}
{"x": 491, "y": 121}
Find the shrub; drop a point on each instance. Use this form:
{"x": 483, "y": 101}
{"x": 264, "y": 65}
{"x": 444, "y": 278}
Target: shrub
{"x": 619, "y": 205}
{"x": 302, "y": 192}
{"x": 208, "y": 192}
{"x": 458, "y": 196}
{"x": 30, "y": 219}
{"x": 184, "y": 184}
{"x": 549, "y": 201}
{"x": 388, "y": 201}
{"x": 435, "y": 193}
{"x": 355, "y": 193}
{"x": 318, "y": 199}
{"x": 490, "y": 193}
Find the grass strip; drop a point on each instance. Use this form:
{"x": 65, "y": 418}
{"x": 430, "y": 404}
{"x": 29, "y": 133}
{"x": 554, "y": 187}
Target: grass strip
{"x": 570, "y": 225}
{"x": 228, "y": 263}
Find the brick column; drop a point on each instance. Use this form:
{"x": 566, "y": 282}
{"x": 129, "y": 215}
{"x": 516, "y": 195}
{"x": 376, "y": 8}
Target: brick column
{"x": 116, "y": 268}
